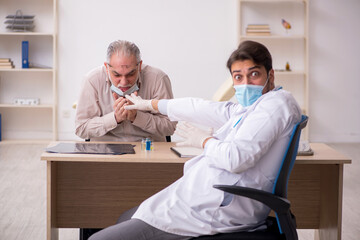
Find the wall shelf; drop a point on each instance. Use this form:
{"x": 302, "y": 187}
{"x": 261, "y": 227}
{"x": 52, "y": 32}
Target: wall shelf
{"x": 25, "y": 34}
{"x": 4, "y": 105}
{"x": 290, "y": 46}
{"x": 28, "y": 70}
{"x": 26, "y": 141}
{"x": 274, "y": 37}
{"x": 29, "y": 122}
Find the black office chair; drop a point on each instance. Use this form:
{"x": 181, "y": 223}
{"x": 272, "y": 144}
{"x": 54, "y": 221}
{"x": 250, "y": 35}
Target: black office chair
{"x": 284, "y": 225}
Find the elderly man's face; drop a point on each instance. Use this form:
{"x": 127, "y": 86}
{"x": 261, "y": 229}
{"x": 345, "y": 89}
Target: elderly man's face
{"x": 123, "y": 71}
{"x": 247, "y": 72}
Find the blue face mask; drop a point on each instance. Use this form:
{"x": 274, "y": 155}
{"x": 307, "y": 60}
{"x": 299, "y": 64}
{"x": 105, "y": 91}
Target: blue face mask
{"x": 247, "y": 94}
{"x": 119, "y": 92}
{"x": 127, "y": 92}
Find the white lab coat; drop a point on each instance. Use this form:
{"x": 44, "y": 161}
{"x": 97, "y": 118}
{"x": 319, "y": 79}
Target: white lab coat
{"x": 248, "y": 154}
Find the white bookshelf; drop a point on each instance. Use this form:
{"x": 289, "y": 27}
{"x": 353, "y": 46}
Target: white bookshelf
{"x": 29, "y": 122}
{"x": 49, "y": 106}
{"x": 27, "y": 70}
{"x": 285, "y": 46}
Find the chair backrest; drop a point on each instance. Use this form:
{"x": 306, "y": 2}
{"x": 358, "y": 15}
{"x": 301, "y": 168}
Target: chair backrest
{"x": 280, "y": 186}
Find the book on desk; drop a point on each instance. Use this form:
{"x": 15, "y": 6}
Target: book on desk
{"x": 305, "y": 149}
{"x": 189, "y": 152}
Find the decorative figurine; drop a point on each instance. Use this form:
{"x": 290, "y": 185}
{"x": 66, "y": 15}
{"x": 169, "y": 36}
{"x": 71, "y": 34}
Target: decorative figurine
{"x": 286, "y": 25}
{"x": 287, "y": 66}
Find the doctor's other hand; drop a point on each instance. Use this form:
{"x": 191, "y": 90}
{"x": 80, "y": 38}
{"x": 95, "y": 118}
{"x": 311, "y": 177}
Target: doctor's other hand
{"x": 141, "y": 104}
{"x": 193, "y": 136}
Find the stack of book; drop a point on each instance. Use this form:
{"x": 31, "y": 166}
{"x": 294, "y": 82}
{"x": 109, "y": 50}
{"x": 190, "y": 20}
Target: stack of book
{"x": 20, "y": 22}
{"x": 6, "y": 63}
{"x": 258, "y": 30}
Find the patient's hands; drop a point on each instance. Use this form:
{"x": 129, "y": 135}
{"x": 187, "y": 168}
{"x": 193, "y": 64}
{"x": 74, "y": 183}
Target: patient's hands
{"x": 120, "y": 112}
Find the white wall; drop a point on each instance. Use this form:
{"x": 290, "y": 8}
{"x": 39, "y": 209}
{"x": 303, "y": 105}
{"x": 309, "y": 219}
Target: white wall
{"x": 188, "y": 39}
{"x": 334, "y": 71}
{"x": 191, "y": 41}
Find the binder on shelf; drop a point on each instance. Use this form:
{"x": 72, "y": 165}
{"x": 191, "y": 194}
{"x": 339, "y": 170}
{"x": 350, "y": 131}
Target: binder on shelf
{"x": 25, "y": 54}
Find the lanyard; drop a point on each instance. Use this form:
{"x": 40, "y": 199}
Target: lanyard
{"x": 237, "y": 122}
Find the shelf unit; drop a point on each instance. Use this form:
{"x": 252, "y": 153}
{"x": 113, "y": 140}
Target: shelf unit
{"x": 29, "y": 123}
{"x": 285, "y": 46}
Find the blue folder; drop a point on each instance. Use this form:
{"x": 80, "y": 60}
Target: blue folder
{"x": 25, "y": 54}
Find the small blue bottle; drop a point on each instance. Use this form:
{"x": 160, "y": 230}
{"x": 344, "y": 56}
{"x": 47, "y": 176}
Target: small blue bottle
{"x": 148, "y": 144}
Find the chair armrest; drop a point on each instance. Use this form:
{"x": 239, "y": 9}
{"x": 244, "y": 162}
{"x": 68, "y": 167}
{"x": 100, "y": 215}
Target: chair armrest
{"x": 278, "y": 204}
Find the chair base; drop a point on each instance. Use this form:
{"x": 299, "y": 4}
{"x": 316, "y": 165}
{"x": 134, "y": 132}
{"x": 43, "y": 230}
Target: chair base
{"x": 243, "y": 236}
{"x": 85, "y": 233}
{"x": 271, "y": 233}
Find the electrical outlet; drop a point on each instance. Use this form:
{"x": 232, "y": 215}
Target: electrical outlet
{"x": 66, "y": 113}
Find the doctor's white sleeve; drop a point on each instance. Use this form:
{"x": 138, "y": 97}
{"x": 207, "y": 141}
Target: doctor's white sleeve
{"x": 199, "y": 111}
{"x": 273, "y": 119}
{"x": 162, "y": 106}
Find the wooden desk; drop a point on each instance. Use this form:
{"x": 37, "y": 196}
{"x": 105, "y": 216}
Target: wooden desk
{"x": 91, "y": 191}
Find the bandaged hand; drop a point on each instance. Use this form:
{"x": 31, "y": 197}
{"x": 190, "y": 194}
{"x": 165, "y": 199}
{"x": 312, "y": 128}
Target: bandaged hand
{"x": 192, "y": 135}
{"x": 139, "y": 104}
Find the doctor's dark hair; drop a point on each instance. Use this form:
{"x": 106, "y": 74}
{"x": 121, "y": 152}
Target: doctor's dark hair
{"x": 123, "y": 47}
{"x": 254, "y": 51}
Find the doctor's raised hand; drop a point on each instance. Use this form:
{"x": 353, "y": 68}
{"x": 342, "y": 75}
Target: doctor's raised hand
{"x": 192, "y": 136}
{"x": 142, "y": 104}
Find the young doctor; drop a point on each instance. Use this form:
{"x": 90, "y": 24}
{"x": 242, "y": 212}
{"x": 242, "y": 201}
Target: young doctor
{"x": 246, "y": 150}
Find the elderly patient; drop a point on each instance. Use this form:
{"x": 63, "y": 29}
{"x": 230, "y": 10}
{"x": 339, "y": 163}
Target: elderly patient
{"x": 246, "y": 150}
{"x": 101, "y": 115}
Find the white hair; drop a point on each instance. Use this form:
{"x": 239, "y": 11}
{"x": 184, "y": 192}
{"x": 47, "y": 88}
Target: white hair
{"x": 123, "y": 47}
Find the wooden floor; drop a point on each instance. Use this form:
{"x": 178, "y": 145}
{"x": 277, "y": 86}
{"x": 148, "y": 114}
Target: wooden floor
{"x": 23, "y": 194}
